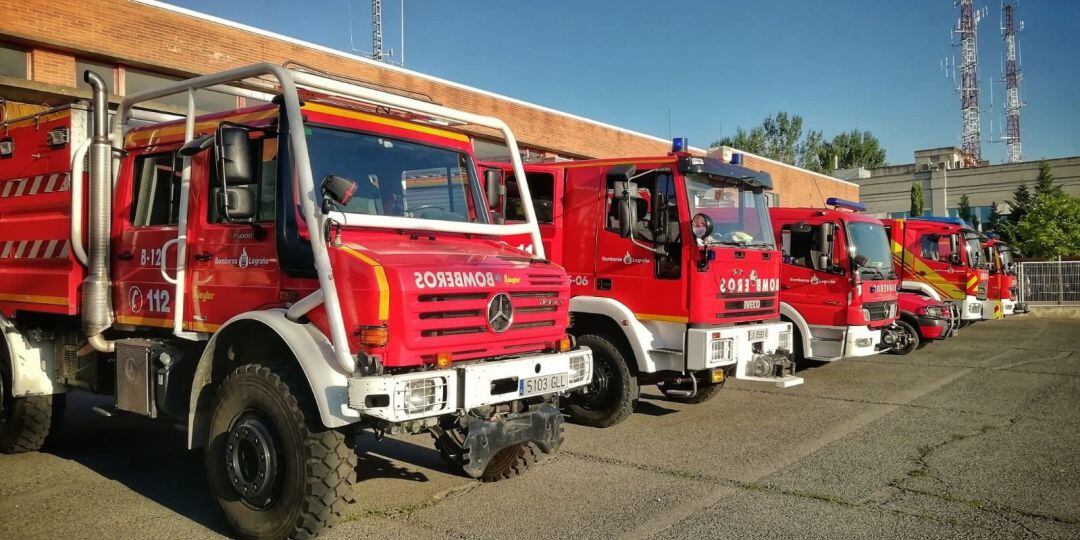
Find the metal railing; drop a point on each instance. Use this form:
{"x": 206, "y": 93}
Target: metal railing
{"x": 1050, "y": 282}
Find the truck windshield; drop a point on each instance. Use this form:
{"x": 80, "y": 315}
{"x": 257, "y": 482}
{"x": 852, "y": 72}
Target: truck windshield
{"x": 1006, "y": 259}
{"x": 870, "y": 248}
{"x": 974, "y": 250}
{"x": 396, "y": 177}
{"x": 739, "y": 216}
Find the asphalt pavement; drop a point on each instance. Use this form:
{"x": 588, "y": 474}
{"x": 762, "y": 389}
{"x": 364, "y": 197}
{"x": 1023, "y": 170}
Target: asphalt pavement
{"x": 975, "y": 437}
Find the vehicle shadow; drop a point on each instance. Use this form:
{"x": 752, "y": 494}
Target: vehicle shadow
{"x": 150, "y": 457}
{"x": 647, "y": 405}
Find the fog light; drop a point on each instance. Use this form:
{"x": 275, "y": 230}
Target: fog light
{"x": 717, "y": 376}
{"x": 863, "y": 342}
{"x": 423, "y": 395}
{"x": 443, "y": 360}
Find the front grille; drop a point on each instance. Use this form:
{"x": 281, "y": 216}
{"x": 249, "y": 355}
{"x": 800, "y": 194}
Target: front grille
{"x": 739, "y": 304}
{"x": 879, "y": 310}
{"x": 442, "y": 318}
{"x": 741, "y": 314}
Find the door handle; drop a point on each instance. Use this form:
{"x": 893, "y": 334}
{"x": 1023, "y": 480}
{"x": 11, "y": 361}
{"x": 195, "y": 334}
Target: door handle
{"x": 125, "y": 256}
{"x": 204, "y": 256}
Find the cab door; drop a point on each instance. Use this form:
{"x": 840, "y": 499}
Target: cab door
{"x": 147, "y": 213}
{"x": 816, "y": 291}
{"x": 630, "y": 269}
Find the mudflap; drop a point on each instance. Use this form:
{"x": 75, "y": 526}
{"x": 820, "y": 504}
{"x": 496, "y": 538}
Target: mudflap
{"x": 541, "y": 425}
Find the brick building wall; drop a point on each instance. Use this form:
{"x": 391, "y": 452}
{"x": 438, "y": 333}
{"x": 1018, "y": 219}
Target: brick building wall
{"x": 168, "y": 40}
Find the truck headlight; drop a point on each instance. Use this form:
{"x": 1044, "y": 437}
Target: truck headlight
{"x": 785, "y": 340}
{"x": 866, "y": 314}
{"x": 580, "y": 366}
{"x": 723, "y": 350}
{"x": 975, "y": 308}
{"x": 422, "y": 395}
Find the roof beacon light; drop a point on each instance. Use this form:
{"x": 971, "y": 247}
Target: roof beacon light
{"x": 679, "y": 144}
{"x": 837, "y": 202}
{"x": 736, "y": 158}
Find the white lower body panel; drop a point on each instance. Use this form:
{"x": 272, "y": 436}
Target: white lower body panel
{"x": 831, "y": 343}
{"x": 971, "y": 308}
{"x": 744, "y": 346}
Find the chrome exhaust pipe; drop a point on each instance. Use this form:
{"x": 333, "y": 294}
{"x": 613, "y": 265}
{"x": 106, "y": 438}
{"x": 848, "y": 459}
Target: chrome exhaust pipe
{"x": 97, "y": 288}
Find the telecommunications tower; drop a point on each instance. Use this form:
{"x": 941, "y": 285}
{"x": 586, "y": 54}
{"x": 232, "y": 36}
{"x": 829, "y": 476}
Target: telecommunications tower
{"x": 968, "y": 86}
{"x": 1009, "y": 27}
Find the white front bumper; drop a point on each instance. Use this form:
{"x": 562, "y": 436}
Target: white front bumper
{"x": 1008, "y": 307}
{"x": 861, "y": 341}
{"x": 709, "y": 348}
{"x": 461, "y": 388}
{"x": 971, "y": 308}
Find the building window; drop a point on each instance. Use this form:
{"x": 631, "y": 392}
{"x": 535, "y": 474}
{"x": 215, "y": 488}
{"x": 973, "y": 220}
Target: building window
{"x": 105, "y": 71}
{"x": 205, "y": 100}
{"x": 13, "y": 62}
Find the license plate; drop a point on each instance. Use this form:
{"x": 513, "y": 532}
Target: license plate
{"x": 544, "y": 384}
{"x": 751, "y": 304}
{"x": 758, "y": 335}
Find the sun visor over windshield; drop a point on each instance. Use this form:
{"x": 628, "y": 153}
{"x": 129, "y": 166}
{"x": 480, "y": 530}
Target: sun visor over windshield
{"x": 738, "y": 173}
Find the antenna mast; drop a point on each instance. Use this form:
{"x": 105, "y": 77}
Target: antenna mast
{"x": 376, "y": 30}
{"x": 969, "y": 82}
{"x": 1013, "y": 152}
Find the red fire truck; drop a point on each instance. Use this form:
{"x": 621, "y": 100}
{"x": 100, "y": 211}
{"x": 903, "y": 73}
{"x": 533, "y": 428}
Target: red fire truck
{"x": 837, "y": 284}
{"x": 1003, "y": 291}
{"x": 941, "y": 258}
{"x": 922, "y": 320}
{"x": 673, "y": 271}
{"x": 274, "y": 278}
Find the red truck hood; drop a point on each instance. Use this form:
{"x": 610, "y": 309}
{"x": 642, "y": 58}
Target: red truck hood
{"x": 741, "y": 285}
{"x": 434, "y": 295}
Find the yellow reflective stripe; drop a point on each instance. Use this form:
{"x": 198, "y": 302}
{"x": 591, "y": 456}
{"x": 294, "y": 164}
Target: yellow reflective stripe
{"x": 166, "y": 323}
{"x": 401, "y": 124}
{"x": 35, "y": 299}
{"x": 380, "y": 278}
{"x": 664, "y": 318}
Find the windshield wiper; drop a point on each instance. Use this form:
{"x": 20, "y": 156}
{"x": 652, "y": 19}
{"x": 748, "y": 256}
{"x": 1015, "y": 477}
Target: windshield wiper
{"x": 876, "y": 270}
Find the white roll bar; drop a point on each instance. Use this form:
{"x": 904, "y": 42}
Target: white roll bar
{"x": 314, "y": 219}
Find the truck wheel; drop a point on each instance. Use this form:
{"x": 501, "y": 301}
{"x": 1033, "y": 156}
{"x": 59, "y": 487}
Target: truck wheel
{"x": 509, "y": 462}
{"x": 25, "y": 422}
{"x": 273, "y": 468}
{"x": 705, "y": 392}
{"x": 912, "y": 333}
{"x": 609, "y": 398}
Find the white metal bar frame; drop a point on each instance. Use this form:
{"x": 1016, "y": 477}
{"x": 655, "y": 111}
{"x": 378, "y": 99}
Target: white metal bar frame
{"x": 314, "y": 220}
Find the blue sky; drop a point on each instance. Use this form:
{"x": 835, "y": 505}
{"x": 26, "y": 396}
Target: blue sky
{"x": 720, "y": 64}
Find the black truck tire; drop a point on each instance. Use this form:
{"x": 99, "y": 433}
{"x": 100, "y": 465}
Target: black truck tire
{"x": 610, "y": 398}
{"x": 25, "y": 422}
{"x": 274, "y": 470}
{"x": 915, "y": 340}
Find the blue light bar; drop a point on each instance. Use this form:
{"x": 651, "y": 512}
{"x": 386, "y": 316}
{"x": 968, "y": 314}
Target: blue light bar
{"x": 837, "y": 202}
{"x": 679, "y": 144}
{"x": 736, "y": 158}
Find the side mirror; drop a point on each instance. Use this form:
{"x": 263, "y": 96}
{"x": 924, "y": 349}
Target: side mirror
{"x": 234, "y": 156}
{"x": 493, "y": 186}
{"x": 701, "y": 226}
{"x": 195, "y": 146}
{"x": 237, "y": 203}
{"x": 338, "y": 189}
{"x": 627, "y": 214}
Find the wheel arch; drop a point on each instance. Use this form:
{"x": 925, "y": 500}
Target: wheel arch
{"x": 792, "y": 315}
{"x": 603, "y": 315}
{"x": 32, "y": 363}
{"x": 301, "y": 343}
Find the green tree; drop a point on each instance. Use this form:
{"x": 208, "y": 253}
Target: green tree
{"x": 1044, "y": 183}
{"x": 916, "y": 199}
{"x": 996, "y": 222}
{"x": 963, "y": 208}
{"x": 1051, "y": 228}
{"x": 855, "y": 148}
{"x": 781, "y": 137}
{"x": 752, "y": 141}
{"x": 1020, "y": 204}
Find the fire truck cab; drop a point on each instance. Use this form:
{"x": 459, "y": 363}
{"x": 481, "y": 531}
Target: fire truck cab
{"x": 1003, "y": 290}
{"x": 941, "y": 258}
{"x": 838, "y": 287}
{"x": 674, "y": 273}
{"x": 274, "y": 279}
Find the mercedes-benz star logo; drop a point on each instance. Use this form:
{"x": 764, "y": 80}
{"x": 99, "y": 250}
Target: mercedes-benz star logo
{"x": 500, "y": 313}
